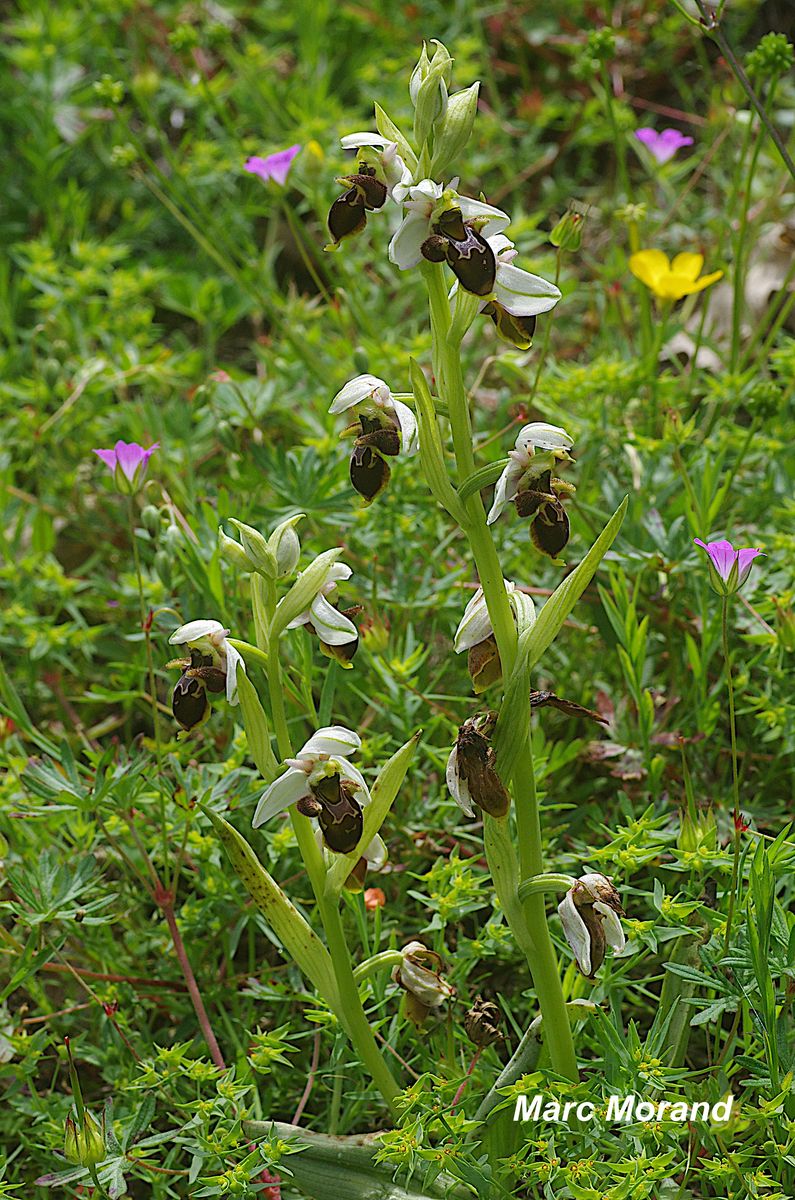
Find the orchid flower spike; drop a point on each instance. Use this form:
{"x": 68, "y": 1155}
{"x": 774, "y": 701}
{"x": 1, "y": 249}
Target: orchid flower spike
{"x": 728, "y": 568}
{"x": 518, "y": 296}
{"x": 322, "y": 783}
{"x": 525, "y": 466}
{"x": 395, "y": 174}
{"x": 419, "y": 974}
{"x": 589, "y": 913}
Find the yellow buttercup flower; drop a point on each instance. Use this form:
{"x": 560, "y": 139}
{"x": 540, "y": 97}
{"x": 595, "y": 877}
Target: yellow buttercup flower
{"x": 671, "y": 280}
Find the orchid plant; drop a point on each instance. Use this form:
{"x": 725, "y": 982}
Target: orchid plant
{"x": 460, "y": 247}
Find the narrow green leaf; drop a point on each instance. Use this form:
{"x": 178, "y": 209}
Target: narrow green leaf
{"x": 431, "y": 451}
{"x": 388, "y": 129}
{"x": 257, "y": 728}
{"x": 562, "y": 601}
{"x": 295, "y": 934}
{"x": 383, "y": 793}
{"x": 481, "y": 478}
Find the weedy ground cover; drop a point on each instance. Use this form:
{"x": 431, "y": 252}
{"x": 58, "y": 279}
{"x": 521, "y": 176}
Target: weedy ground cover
{"x": 398, "y": 613}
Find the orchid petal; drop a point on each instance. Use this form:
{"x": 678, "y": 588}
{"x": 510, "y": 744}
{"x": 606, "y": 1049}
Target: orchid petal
{"x": 405, "y": 247}
{"x": 281, "y": 795}
{"x": 194, "y": 631}
{"x": 614, "y": 934}
{"x": 234, "y": 660}
{"x": 576, "y": 933}
{"x": 331, "y": 626}
{"x": 523, "y": 294}
{"x": 543, "y": 437}
{"x": 470, "y": 209}
{"x": 356, "y": 390}
{"x": 331, "y": 739}
{"x": 458, "y": 787}
{"x": 408, "y": 426}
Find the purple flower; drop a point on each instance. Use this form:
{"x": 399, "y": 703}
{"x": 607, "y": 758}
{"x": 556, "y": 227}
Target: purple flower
{"x": 127, "y": 462}
{"x": 275, "y": 166}
{"x": 728, "y": 568}
{"x": 663, "y": 145}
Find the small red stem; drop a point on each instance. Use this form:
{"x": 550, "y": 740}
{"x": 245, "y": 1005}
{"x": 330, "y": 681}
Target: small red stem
{"x": 165, "y": 900}
{"x": 465, "y": 1080}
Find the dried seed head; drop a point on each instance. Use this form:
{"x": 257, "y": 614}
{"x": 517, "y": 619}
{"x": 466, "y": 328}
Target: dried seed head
{"x": 476, "y": 766}
{"x": 482, "y": 1023}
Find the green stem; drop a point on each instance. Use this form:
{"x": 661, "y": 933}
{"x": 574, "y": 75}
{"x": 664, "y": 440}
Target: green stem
{"x": 536, "y": 945}
{"x": 357, "y": 1025}
{"x": 735, "y": 776}
{"x": 151, "y": 673}
{"x": 378, "y": 962}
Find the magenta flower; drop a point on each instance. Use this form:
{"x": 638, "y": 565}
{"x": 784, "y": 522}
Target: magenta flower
{"x": 663, "y": 145}
{"x": 728, "y": 568}
{"x": 275, "y": 166}
{"x": 128, "y": 463}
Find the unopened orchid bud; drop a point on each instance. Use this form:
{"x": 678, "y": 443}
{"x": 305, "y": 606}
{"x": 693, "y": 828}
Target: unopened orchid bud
{"x": 233, "y": 552}
{"x": 455, "y": 130}
{"x": 589, "y": 913}
{"x": 84, "y": 1140}
{"x": 429, "y": 95}
{"x": 419, "y": 974}
{"x": 256, "y": 547}
{"x": 285, "y": 546}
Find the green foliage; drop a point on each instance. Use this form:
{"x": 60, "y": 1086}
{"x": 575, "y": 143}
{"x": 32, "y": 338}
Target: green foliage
{"x": 154, "y": 291}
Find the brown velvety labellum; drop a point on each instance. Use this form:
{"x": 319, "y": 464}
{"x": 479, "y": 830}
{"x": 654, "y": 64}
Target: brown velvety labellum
{"x": 189, "y": 702}
{"x": 473, "y": 263}
{"x": 369, "y": 472}
{"x": 347, "y": 216}
{"x": 341, "y": 816}
{"x": 550, "y": 529}
{"x": 386, "y": 440}
{"x": 518, "y": 331}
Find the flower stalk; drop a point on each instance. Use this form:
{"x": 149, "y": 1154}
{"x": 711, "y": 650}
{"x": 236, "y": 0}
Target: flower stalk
{"x": 504, "y": 867}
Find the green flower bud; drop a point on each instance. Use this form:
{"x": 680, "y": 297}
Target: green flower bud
{"x": 772, "y": 58}
{"x": 567, "y": 234}
{"x": 260, "y": 557}
{"x": 84, "y": 1144}
{"x": 150, "y": 518}
{"x": 455, "y": 129}
{"x": 233, "y": 552}
{"x": 430, "y": 93}
{"x": 285, "y": 546}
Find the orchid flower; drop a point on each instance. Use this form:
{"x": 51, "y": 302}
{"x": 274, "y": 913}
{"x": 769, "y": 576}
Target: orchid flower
{"x": 516, "y": 291}
{"x": 322, "y": 783}
{"x": 397, "y": 175}
{"x": 475, "y": 625}
{"x": 369, "y": 390}
{"x": 728, "y": 568}
{"x": 471, "y": 775}
{"x": 427, "y": 201}
{"x": 589, "y": 913}
{"x": 332, "y": 627}
{"x": 664, "y": 145}
{"x": 210, "y": 637}
{"x": 128, "y": 463}
{"x": 524, "y": 463}
{"x": 275, "y": 167}
{"x": 419, "y": 974}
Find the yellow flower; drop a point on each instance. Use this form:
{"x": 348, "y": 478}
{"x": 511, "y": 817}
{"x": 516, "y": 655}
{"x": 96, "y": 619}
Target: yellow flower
{"x": 671, "y": 280}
